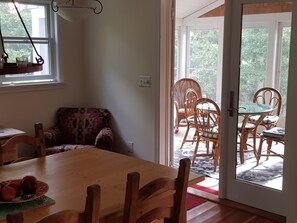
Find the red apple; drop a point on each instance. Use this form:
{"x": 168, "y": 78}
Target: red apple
{"x": 29, "y": 185}
{"x": 7, "y": 193}
{"x": 16, "y": 186}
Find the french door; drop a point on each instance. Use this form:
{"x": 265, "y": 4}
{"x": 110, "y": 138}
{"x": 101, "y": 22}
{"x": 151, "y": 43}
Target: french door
{"x": 236, "y": 60}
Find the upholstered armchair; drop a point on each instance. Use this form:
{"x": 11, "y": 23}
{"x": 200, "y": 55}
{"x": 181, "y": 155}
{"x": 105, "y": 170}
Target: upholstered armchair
{"x": 77, "y": 128}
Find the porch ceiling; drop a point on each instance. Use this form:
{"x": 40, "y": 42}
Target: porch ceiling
{"x": 190, "y": 9}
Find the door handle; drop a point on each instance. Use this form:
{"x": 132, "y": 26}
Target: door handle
{"x": 231, "y": 104}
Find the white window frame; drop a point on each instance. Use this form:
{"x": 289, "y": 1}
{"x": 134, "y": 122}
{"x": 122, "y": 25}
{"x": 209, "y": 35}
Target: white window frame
{"x": 53, "y": 76}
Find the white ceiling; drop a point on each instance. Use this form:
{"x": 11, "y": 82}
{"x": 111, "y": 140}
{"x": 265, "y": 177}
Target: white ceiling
{"x": 188, "y": 8}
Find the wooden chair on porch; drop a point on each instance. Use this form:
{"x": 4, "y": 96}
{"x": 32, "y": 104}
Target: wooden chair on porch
{"x": 207, "y": 116}
{"x": 191, "y": 96}
{"x": 276, "y": 135}
{"x": 272, "y": 97}
{"x": 180, "y": 88}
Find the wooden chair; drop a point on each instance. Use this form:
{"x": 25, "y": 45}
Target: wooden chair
{"x": 180, "y": 88}
{"x": 207, "y": 115}
{"x": 191, "y": 96}
{"x": 9, "y": 150}
{"x": 276, "y": 135}
{"x": 248, "y": 130}
{"x": 89, "y": 215}
{"x": 162, "y": 198}
{"x": 272, "y": 97}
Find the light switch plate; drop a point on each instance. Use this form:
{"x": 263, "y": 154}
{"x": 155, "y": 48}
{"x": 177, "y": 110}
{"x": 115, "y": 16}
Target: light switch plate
{"x": 145, "y": 81}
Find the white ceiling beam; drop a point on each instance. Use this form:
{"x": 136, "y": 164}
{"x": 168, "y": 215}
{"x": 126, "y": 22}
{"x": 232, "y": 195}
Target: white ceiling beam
{"x": 212, "y": 5}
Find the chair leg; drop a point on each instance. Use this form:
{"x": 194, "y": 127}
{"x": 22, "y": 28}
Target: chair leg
{"x": 269, "y": 144}
{"x": 185, "y": 136}
{"x": 258, "y": 157}
{"x": 243, "y": 141}
{"x": 216, "y": 156}
{"x": 195, "y": 151}
{"x": 176, "y": 125}
{"x": 207, "y": 147}
{"x": 255, "y": 143}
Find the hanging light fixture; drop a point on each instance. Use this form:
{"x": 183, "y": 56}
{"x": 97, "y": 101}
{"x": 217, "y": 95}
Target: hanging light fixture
{"x": 76, "y": 10}
{"x": 19, "y": 67}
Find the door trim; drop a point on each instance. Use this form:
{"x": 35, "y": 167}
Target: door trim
{"x": 167, "y": 36}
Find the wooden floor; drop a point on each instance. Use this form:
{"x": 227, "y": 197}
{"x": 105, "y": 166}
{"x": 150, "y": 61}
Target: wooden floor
{"x": 218, "y": 210}
{"x": 211, "y": 212}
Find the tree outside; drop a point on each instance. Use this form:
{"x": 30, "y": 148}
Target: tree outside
{"x": 203, "y": 64}
{"x": 11, "y": 26}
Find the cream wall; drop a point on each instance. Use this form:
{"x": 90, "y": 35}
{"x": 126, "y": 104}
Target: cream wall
{"x": 121, "y": 44}
{"x": 101, "y": 60}
{"x": 22, "y": 107}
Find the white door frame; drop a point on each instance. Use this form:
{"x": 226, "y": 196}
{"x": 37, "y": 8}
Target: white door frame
{"x": 167, "y": 37}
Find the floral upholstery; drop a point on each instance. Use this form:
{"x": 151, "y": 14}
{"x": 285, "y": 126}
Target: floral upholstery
{"x": 77, "y": 127}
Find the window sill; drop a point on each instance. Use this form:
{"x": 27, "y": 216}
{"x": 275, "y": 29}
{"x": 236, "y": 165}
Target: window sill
{"x": 31, "y": 87}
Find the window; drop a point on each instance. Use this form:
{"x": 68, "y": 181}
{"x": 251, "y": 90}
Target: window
{"x": 176, "y": 55}
{"x": 38, "y": 19}
{"x": 254, "y": 51}
{"x": 284, "y": 65}
{"x": 203, "y": 58}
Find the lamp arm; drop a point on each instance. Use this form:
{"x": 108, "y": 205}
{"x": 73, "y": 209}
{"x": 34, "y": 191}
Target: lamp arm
{"x": 97, "y": 10}
{"x": 101, "y": 8}
{"x": 39, "y": 59}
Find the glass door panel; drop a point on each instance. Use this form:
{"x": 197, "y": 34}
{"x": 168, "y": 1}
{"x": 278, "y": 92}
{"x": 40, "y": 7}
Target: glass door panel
{"x": 257, "y": 54}
{"x": 204, "y": 53}
{"x": 260, "y": 59}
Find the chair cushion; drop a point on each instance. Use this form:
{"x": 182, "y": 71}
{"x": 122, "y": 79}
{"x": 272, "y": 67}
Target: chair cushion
{"x": 212, "y": 133}
{"x": 275, "y": 132}
{"x": 65, "y": 147}
{"x": 247, "y": 126}
{"x": 267, "y": 120}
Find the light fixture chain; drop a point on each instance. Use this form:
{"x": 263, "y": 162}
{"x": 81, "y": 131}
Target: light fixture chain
{"x": 39, "y": 60}
{"x": 4, "y": 55}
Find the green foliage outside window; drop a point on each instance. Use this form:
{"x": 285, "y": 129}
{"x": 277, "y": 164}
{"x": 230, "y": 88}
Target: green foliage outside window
{"x": 176, "y": 55}
{"x": 254, "y": 48}
{"x": 204, "y": 60}
{"x": 11, "y": 26}
{"x": 286, "y": 39}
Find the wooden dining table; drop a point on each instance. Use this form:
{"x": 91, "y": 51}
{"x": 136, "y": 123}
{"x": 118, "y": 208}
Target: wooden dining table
{"x": 69, "y": 173}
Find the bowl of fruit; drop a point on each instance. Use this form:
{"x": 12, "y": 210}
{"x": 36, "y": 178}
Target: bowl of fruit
{"x": 22, "y": 190}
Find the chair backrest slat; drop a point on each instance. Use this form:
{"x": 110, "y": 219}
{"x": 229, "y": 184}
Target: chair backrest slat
{"x": 269, "y": 96}
{"x": 9, "y": 150}
{"x": 162, "y": 198}
{"x": 180, "y": 88}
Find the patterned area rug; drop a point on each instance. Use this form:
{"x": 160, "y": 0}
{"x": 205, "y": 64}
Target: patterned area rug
{"x": 268, "y": 172}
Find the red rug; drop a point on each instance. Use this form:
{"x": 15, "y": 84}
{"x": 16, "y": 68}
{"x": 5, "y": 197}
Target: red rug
{"x": 205, "y": 189}
{"x": 194, "y": 201}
